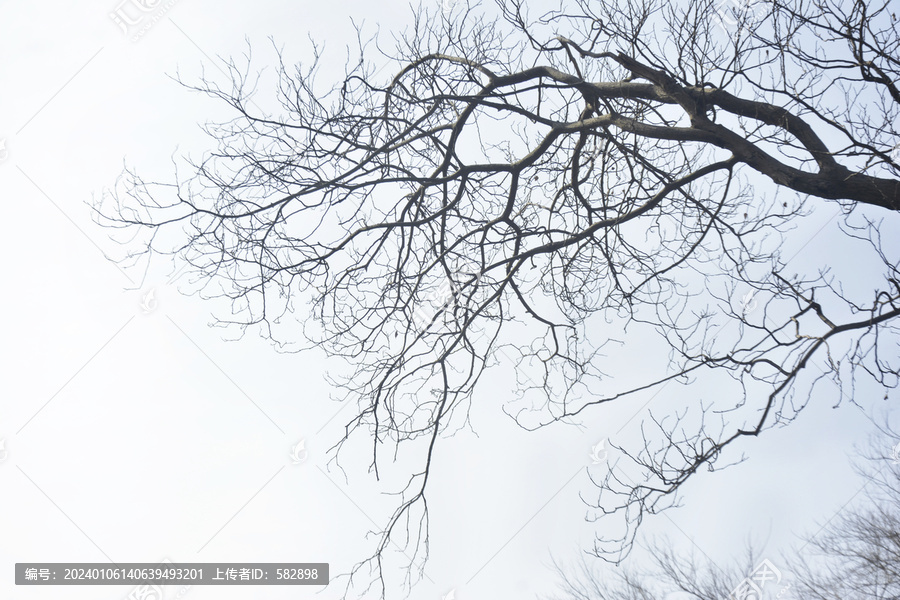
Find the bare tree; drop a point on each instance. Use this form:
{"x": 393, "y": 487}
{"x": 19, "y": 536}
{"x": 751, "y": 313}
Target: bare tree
{"x": 671, "y": 576}
{"x": 520, "y": 181}
{"x": 852, "y": 556}
{"x": 856, "y": 554}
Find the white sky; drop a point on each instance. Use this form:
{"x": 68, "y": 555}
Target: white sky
{"x": 134, "y": 437}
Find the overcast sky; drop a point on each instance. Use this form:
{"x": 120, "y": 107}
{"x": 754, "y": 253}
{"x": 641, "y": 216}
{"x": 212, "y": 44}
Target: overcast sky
{"x": 135, "y": 432}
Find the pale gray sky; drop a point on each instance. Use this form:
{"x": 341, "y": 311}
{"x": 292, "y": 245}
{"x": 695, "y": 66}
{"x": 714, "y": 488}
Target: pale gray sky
{"x": 137, "y": 437}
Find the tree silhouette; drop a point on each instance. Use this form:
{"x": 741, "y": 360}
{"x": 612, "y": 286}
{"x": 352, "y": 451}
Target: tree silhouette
{"x": 521, "y": 183}
{"x": 853, "y": 555}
